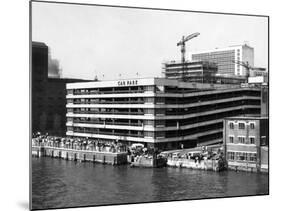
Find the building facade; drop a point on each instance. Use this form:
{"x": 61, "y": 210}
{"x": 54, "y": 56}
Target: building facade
{"x": 225, "y": 57}
{"x": 55, "y": 109}
{"x": 258, "y": 76}
{"x": 160, "y": 113}
{"x": 39, "y": 73}
{"x": 246, "y": 143}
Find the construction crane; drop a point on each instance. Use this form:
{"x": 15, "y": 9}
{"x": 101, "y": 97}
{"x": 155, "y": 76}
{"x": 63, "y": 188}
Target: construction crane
{"x": 246, "y": 66}
{"x": 182, "y": 44}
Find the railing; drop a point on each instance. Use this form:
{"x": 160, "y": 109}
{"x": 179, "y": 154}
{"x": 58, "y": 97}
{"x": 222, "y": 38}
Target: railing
{"x": 108, "y": 92}
{"x": 116, "y": 112}
{"x": 108, "y": 133}
{"x": 96, "y": 147}
{"x": 110, "y": 102}
{"x": 107, "y": 123}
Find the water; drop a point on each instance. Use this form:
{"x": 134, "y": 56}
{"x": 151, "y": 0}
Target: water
{"x": 60, "y": 183}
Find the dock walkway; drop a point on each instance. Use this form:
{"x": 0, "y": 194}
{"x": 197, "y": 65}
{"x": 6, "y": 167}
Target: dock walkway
{"x": 114, "y": 158}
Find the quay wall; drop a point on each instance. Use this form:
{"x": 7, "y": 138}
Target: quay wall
{"x": 242, "y": 166}
{"x": 245, "y": 166}
{"x": 214, "y": 165}
{"x": 117, "y": 158}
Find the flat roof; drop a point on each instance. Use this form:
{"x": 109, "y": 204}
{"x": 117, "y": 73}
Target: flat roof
{"x": 147, "y": 81}
{"x": 233, "y": 47}
{"x": 247, "y": 117}
{"x": 70, "y": 80}
{"x": 187, "y": 62}
{"x": 41, "y": 44}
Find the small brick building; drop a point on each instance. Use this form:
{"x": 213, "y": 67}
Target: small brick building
{"x": 246, "y": 143}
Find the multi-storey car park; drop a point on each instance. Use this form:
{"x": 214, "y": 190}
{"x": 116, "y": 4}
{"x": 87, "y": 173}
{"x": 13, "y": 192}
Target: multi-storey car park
{"x": 160, "y": 113}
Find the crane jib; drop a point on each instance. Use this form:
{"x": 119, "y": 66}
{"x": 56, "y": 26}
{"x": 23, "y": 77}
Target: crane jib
{"x": 182, "y": 43}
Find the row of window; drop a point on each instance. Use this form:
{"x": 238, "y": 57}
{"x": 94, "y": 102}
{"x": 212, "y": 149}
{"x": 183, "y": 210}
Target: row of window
{"x": 153, "y": 88}
{"x": 117, "y": 100}
{"x": 241, "y": 125}
{"x": 242, "y": 156}
{"x": 242, "y": 140}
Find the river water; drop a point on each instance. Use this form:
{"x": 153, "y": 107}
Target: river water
{"x": 60, "y": 183}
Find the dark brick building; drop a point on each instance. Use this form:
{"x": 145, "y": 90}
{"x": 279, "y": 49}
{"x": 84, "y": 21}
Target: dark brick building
{"x": 39, "y": 77}
{"x": 48, "y": 94}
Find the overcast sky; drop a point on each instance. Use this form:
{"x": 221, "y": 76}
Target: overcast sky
{"x": 123, "y": 42}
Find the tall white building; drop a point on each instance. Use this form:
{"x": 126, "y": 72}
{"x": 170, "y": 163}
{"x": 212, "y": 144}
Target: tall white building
{"x": 225, "y": 57}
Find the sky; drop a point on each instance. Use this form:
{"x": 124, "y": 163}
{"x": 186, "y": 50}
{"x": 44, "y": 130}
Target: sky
{"x": 113, "y": 43}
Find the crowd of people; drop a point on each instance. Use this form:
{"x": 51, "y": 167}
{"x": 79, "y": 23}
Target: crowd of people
{"x": 46, "y": 140}
{"x": 197, "y": 154}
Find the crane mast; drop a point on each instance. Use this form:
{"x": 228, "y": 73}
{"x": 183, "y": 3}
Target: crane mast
{"x": 182, "y": 44}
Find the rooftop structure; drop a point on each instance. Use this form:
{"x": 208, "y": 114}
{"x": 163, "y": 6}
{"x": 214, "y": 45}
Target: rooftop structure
{"x": 200, "y": 72}
{"x": 192, "y": 71}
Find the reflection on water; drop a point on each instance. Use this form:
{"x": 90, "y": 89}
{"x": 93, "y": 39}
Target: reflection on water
{"x": 60, "y": 183}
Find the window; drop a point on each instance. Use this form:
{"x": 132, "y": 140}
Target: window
{"x": 148, "y": 122}
{"x": 264, "y": 141}
{"x": 160, "y": 100}
{"x": 70, "y": 91}
{"x": 149, "y": 100}
{"x": 241, "y": 156}
{"x": 149, "y": 88}
{"x": 231, "y": 139}
{"x": 241, "y": 126}
{"x": 160, "y": 134}
{"x": 231, "y": 125}
{"x": 69, "y": 128}
{"x": 160, "y": 123}
{"x": 148, "y": 134}
{"x": 231, "y": 155}
{"x": 149, "y": 111}
{"x": 252, "y": 157}
{"x": 241, "y": 140}
{"x": 70, "y": 110}
{"x": 252, "y": 126}
{"x": 252, "y": 140}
